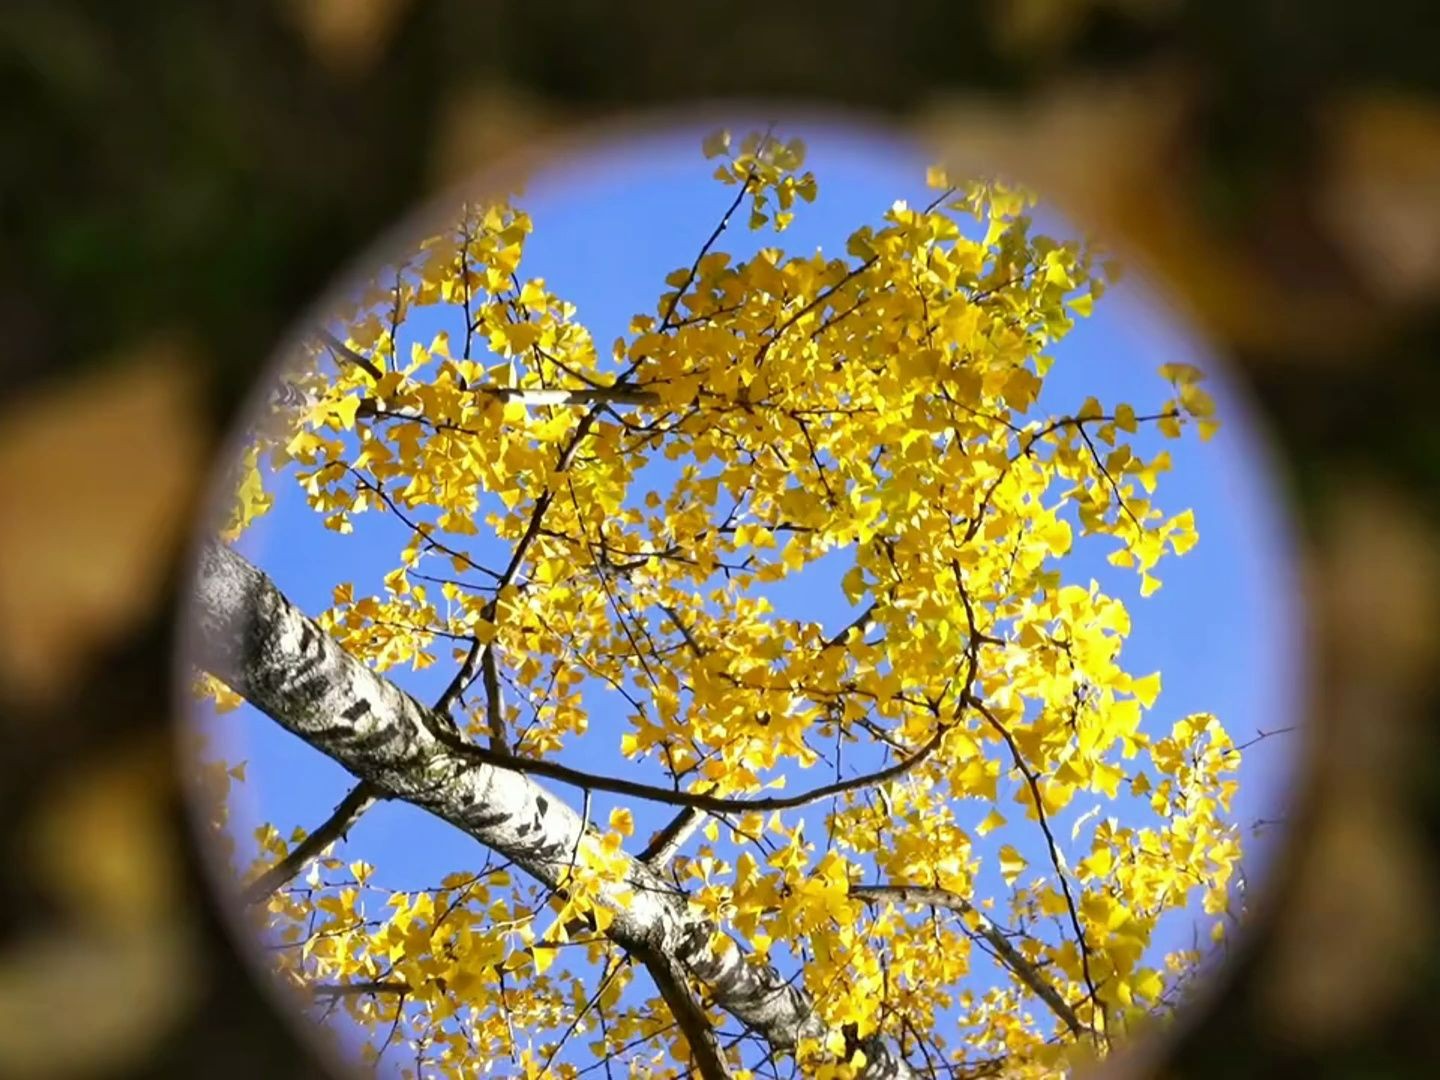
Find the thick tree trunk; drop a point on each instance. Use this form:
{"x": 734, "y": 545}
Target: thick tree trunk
{"x": 285, "y": 665}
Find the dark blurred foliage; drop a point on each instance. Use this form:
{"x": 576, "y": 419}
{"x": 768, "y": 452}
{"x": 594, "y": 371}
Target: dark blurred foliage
{"x": 178, "y": 180}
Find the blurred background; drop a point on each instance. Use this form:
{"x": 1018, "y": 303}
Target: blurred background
{"x": 176, "y": 189}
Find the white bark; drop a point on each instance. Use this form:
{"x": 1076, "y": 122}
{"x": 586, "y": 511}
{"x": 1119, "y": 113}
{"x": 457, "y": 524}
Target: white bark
{"x": 285, "y": 665}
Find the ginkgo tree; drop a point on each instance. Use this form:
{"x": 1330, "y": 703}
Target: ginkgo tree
{"x": 776, "y": 852}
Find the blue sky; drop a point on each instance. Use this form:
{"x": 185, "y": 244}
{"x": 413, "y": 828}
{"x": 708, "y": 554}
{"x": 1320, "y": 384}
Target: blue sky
{"x": 1224, "y": 629}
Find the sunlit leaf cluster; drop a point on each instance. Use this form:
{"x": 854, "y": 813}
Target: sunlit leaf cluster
{"x": 605, "y": 521}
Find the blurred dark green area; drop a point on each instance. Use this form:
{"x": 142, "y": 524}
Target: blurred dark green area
{"x": 195, "y": 171}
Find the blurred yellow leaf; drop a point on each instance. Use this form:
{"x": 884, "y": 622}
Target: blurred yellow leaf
{"x": 96, "y": 478}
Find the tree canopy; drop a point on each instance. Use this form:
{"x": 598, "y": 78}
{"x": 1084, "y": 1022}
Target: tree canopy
{"x": 778, "y": 839}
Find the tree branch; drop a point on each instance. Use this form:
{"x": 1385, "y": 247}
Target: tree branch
{"x": 357, "y": 989}
{"x": 715, "y": 804}
{"x": 575, "y": 1021}
{"x": 666, "y": 843}
{"x": 1034, "y": 785}
{"x": 860, "y": 623}
{"x": 268, "y": 651}
{"x": 494, "y": 700}
{"x": 344, "y": 352}
{"x": 537, "y": 396}
{"x": 690, "y": 1018}
{"x": 1010, "y": 956}
{"x": 361, "y": 797}
{"x": 463, "y": 678}
{"x": 606, "y": 395}
{"x": 665, "y": 323}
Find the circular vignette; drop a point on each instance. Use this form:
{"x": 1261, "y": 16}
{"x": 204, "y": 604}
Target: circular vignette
{"x": 394, "y": 239}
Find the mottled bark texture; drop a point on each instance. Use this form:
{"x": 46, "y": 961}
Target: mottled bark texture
{"x": 285, "y": 665}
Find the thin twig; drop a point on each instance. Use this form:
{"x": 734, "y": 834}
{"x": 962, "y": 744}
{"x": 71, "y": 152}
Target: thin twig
{"x": 1010, "y": 956}
{"x": 574, "y": 1026}
{"x": 713, "y": 803}
{"x": 1054, "y": 848}
{"x": 665, "y": 323}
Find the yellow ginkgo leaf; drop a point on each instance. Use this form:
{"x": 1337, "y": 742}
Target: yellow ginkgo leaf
{"x": 992, "y": 821}
{"x": 1146, "y": 690}
{"x": 1012, "y": 864}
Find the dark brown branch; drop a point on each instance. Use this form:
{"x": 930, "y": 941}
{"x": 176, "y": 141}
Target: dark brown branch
{"x": 419, "y": 530}
{"x": 1054, "y": 848}
{"x": 860, "y": 622}
{"x": 463, "y": 678}
{"x": 820, "y": 298}
{"x": 542, "y": 503}
{"x": 1029, "y": 445}
{"x": 690, "y": 642}
{"x": 598, "y": 561}
{"x": 669, "y": 977}
{"x": 1260, "y": 736}
{"x": 344, "y": 352}
{"x": 477, "y": 653}
{"x": 1105, "y": 472}
{"x": 815, "y": 460}
{"x": 494, "y": 701}
{"x": 357, "y": 989}
{"x": 933, "y": 203}
{"x": 665, "y": 323}
{"x": 361, "y": 797}
{"x": 715, "y": 804}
